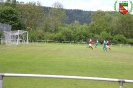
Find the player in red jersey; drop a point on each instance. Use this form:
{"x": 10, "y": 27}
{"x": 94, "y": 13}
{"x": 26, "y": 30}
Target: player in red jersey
{"x": 90, "y": 43}
{"x": 107, "y": 45}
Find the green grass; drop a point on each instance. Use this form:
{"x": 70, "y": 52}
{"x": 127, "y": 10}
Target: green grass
{"x": 65, "y": 59}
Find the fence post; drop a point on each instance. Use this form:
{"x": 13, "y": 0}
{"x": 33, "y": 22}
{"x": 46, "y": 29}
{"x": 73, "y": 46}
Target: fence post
{"x": 121, "y": 83}
{"x": 1, "y": 77}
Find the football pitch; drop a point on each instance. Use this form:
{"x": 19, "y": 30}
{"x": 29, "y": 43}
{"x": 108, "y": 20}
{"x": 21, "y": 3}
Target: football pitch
{"x": 65, "y": 59}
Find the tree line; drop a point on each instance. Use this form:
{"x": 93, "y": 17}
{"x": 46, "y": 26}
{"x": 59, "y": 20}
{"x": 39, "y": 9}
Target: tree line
{"x": 74, "y": 14}
{"x": 60, "y": 24}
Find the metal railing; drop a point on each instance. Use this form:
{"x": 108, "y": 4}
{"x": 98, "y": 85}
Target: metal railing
{"x": 121, "y": 81}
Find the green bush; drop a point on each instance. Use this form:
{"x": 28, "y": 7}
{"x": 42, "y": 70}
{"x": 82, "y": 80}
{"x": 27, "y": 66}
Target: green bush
{"x": 64, "y": 34}
{"x": 45, "y": 35}
{"x": 33, "y": 36}
{"x": 130, "y": 41}
{"x": 48, "y": 36}
{"x": 40, "y": 34}
{"x": 119, "y": 39}
{"x": 59, "y": 37}
{"x": 105, "y": 36}
{"x": 51, "y": 36}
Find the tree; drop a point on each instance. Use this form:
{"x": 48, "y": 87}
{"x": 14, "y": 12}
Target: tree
{"x": 1, "y": 5}
{"x": 114, "y": 26}
{"x": 56, "y": 16}
{"x": 86, "y": 31}
{"x": 79, "y": 32}
{"x": 125, "y": 26}
{"x": 75, "y": 28}
{"x": 98, "y": 21}
{"x": 11, "y": 3}
{"x": 32, "y": 14}
{"x": 57, "y": 5}
{"x": 108, "y": 18}
{"x": 8, "y": 15}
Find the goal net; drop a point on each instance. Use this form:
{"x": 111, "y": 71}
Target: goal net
{"x": 13, "y": 37}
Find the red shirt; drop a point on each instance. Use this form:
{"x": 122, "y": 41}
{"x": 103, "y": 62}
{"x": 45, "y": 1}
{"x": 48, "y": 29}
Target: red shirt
{"x": 107, "y": 43}
{"x": 90, "y": 41}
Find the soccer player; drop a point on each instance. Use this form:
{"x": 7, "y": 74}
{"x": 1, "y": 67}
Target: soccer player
{"x": 104, "y": 46}
{"x": 107, "y": 45}
{"x": 96, "y": 44}
{"x": 90, "y": 43}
